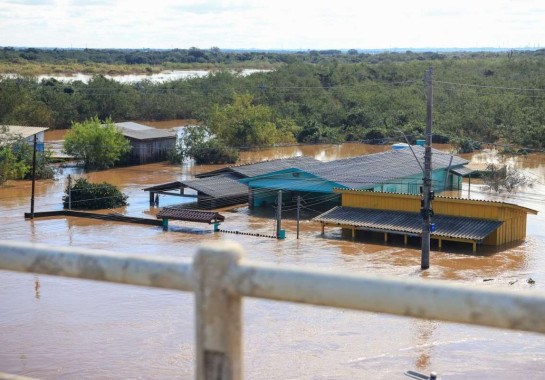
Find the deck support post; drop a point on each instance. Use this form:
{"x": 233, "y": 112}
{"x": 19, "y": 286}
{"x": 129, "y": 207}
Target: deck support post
{"x": 386, "y": 237}
{"x": 474, "y": 246}
{"x": 218, "y": 315}
{"x": 151, "y": 198}
{"x": 440, "y": 243}
{"x": 353, "y": 233}
{"x": 323, "y": 228}
{"x": 405, "y": 239}
{"x": 165, "y": 224}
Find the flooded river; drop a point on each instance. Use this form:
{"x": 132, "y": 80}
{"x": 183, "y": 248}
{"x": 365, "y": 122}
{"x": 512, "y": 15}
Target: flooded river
{"x": 161, "y": 77}
{"x": 66, "y": 329}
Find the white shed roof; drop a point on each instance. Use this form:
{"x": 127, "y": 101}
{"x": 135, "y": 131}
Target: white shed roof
{"x": 23, "y": 131}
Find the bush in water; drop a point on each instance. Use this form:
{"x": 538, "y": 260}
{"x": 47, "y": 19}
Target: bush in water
{"x": 94, "y": 196}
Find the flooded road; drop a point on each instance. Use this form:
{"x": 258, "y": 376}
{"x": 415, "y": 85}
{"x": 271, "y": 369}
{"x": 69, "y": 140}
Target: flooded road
{"x": 66, "y": 329}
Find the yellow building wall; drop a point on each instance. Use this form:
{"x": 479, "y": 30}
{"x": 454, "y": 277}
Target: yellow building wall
{"x": 512, "y": 216}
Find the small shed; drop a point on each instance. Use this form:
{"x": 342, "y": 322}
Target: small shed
{"x": 212, "y": 192}
{"x": 27, "y": 133}
{"x": 221, "y": 187}
{"x": 148, "y": 144}
{"x": 466, "y": 220}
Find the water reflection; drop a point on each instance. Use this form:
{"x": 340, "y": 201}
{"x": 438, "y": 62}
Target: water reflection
{"x": 36, "y": 287}
{"x": 424, "y": 339}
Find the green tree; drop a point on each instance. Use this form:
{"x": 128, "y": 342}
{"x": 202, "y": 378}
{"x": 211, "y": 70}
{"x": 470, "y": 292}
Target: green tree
{"x": 244, "y": 124}
{"x": 98, "y": 145}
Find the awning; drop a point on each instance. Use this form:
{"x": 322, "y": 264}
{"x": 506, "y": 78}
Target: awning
{"x": 409, "y": 223}
{"x": 462, "y": 171}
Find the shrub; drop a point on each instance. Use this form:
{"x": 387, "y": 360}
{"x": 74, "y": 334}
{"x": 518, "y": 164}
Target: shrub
{"x": 94, "y": 196}
{"x": 213, "y": 152}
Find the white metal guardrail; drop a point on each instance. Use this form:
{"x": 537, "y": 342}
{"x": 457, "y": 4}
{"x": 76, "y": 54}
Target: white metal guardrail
{"x": 220, "y": 277}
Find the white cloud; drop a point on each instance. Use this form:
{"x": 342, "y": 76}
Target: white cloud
{"x": 288, "y": 24}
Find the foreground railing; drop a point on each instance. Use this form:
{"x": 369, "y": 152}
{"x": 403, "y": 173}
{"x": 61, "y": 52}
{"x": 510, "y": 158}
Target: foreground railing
{"x": 220, "y": 277}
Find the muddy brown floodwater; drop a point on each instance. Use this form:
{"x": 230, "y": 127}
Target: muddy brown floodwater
{"x": 69, "y": 329}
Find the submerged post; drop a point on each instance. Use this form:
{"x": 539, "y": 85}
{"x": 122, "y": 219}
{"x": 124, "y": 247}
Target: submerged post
{"x": 69, "y": 192}
{"x": 218, "y": 312}
{"x": 279, "y": 214}
{"x": 33, "y": 177}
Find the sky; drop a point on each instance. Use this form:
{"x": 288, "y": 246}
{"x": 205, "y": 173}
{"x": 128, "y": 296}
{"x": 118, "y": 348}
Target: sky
{"x": 273, "y": 24}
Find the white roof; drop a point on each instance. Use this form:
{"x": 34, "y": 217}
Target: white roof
{"x": 143, "y": 132}
{"x": 24, "y": 132}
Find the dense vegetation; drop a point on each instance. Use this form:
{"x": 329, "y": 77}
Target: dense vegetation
{"x": 93, "y": 196}
{"x": 312, "y": 97}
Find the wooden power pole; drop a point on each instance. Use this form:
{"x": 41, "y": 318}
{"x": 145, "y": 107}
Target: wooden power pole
{"x": 427, "y": 189}
{"x": 33, "y": 177}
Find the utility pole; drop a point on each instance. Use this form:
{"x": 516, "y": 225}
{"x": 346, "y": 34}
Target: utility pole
{"x": 427, "y": 192}
{"x": 33, "y": 178}
{"x": 279, "y": 214}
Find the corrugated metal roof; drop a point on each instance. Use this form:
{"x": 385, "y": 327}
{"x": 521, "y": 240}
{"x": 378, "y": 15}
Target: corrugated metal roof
{"x": 461, "y": 200}
{"x": 165, "y": 186}
{"x": 143, "y": 132}
{"x": 189, "y": 215}
{"x": 463, "y": 171}
{"x": 23, "y": 131}
{"x": 218, "y": 186}
{"x": 410, "y": 222}
{"x": 264, "y": 167}
{"x": 372, "y": 169}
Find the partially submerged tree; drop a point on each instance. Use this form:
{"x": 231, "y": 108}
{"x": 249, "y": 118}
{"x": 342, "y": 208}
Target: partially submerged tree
{"x": 93, "y": 196}
{"x": 98, "y": 145}
{"x": 197, "y": 143}
{"x": 504, "y": 176}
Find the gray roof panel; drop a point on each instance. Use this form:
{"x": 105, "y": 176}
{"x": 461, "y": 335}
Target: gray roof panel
{"x": 410, "y": 222}
{"x": 219, "y": 186}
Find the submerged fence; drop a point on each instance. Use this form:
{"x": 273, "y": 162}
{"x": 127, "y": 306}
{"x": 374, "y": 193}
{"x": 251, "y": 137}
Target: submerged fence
{"x": 220, "y": 277}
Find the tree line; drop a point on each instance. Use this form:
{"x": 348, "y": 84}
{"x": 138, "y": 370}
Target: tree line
{"x": 482, "y": 97}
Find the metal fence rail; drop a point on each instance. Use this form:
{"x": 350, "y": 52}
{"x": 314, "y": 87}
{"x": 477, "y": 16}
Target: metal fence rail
{"x": 220, "y": 277}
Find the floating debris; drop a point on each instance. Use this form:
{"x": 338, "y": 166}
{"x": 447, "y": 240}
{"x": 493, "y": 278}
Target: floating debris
{"x": 513, "y": 282}
{"x": 488, "y": 279}
{"x": 531, "y": 281}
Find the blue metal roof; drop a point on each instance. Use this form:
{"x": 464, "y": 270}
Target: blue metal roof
{"x": 362, "y": 172}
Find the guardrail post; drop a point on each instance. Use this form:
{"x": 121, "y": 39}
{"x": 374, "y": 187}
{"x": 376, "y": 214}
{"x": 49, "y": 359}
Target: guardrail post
{"x": 218, "y": 313}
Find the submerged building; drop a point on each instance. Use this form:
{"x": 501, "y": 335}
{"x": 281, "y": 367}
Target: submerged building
{"x": 148, "y": 144}
{"x": 395, "y": 171}
{"x": 462, "y": 220}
